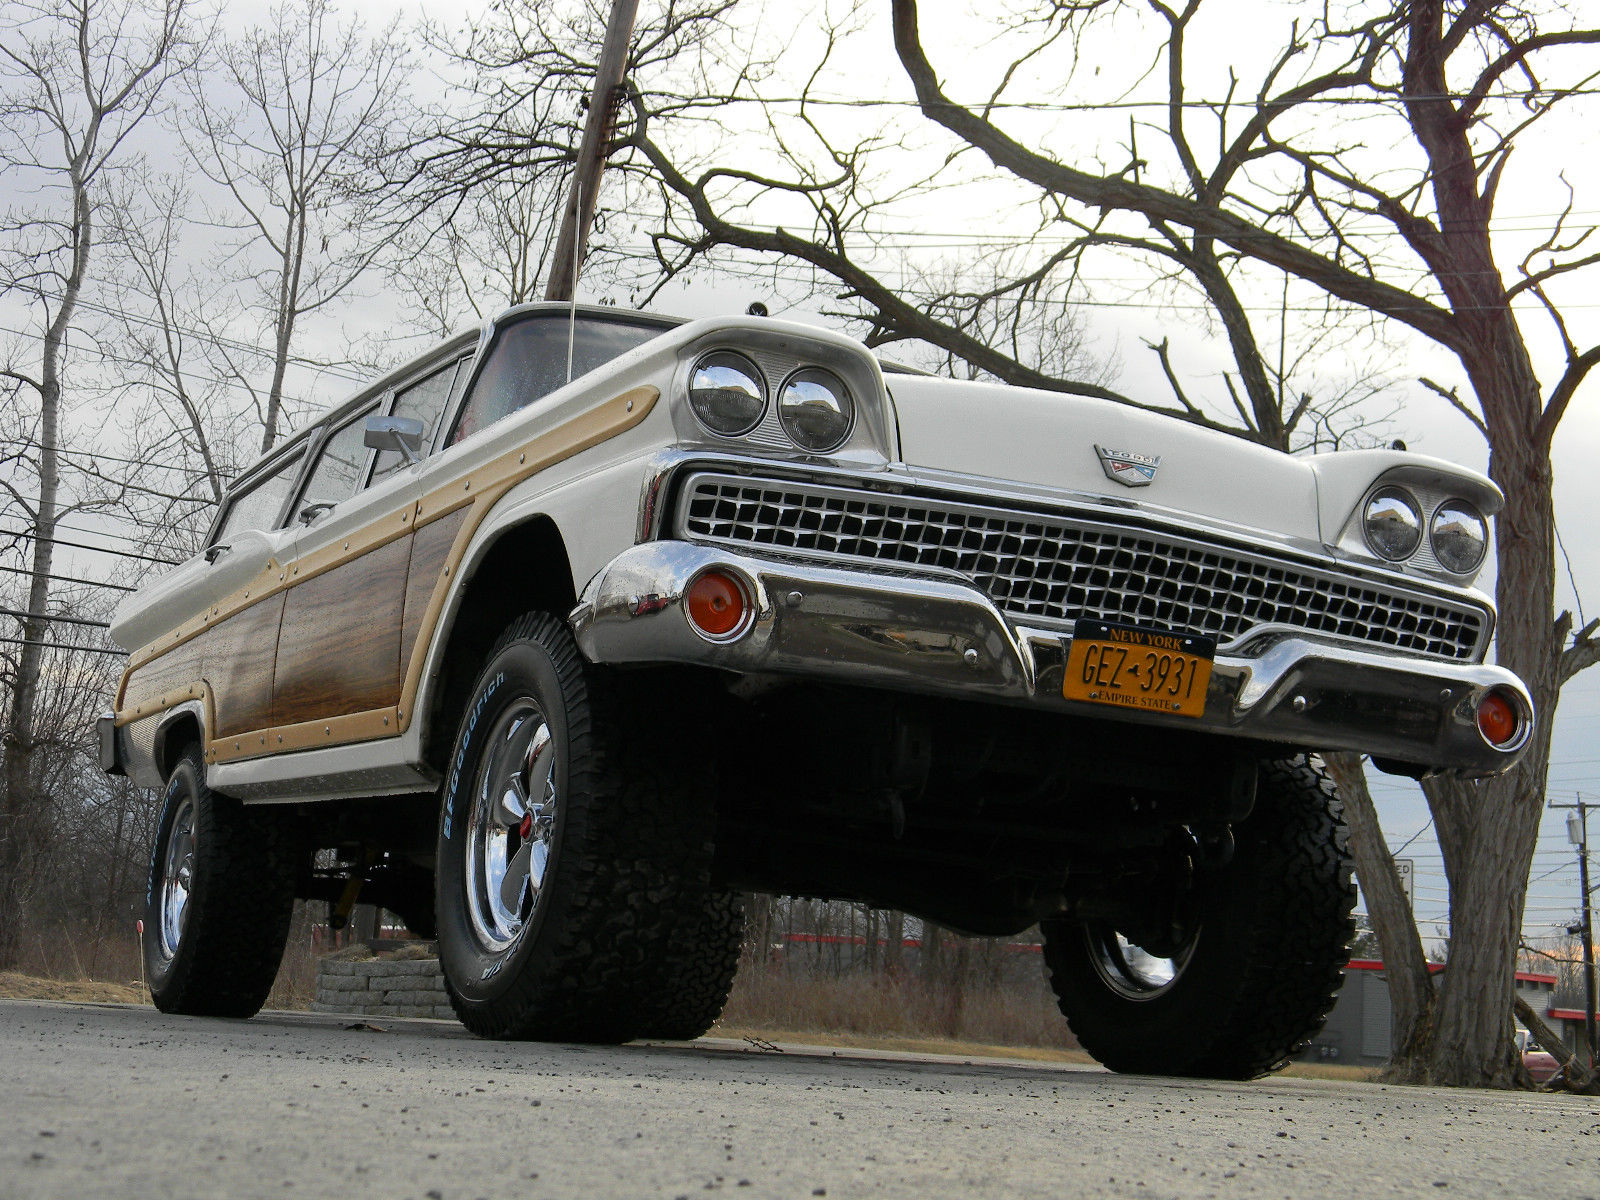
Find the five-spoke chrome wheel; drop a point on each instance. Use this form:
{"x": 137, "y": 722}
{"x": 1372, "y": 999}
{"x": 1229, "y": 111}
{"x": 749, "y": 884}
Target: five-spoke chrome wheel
{"x": 1129, "y": 970}
{"x": 511, "y": 825}
{"x": 177, "y": 875}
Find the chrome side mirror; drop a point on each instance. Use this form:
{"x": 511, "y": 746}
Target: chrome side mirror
{"x": 403, "y": 434}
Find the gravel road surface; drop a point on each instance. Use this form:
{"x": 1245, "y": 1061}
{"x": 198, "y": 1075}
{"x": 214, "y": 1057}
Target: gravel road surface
{"x": 113, "y": 1100}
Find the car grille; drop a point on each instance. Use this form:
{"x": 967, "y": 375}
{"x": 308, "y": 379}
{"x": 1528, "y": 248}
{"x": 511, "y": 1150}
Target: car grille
{"x": 1057, "y": 569}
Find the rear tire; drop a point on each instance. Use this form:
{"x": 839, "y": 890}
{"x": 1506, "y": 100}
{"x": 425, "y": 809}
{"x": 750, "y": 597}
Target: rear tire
{"x": 574, "y": 895}
{"x": 220, "y": 896}
{"x": 1263, "y": 964}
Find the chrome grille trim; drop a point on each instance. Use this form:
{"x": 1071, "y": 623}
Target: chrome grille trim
{"x": 1055, "y": 568}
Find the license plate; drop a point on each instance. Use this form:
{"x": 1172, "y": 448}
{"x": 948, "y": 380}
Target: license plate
{"x": 1151, "y": 670}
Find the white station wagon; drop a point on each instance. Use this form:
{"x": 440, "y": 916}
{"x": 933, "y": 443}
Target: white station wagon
{"x": 562, "y": 636}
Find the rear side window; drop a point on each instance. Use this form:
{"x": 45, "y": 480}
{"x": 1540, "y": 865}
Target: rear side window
{"x": 259, "y": 505}
{"x": 529, "y": 361}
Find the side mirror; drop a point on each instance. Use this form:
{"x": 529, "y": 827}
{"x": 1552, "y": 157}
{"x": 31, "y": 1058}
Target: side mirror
{"x": 402, "y": 434}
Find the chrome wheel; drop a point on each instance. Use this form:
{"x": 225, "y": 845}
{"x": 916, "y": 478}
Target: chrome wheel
{"x": 1128, "y": 969}
{"x": 177, "y": 874}
{"x": 511, "y": 826}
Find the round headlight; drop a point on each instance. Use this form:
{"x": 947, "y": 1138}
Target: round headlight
{"x": 728, "y": 393}
{"x": 1392, "y": 524}
{"x": 1460, "y": 536}
{"x": 816, "y": 410}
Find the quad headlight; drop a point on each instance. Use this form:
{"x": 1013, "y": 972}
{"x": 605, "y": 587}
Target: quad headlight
{"x": 1392, "y": 523}
{"x": 728, "y": 393}
{"x": 1459, "y": 536}
{"x": 816, "y": 409}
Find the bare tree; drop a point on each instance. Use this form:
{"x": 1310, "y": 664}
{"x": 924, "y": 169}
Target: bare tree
{"x": 76, "y": 78}
{"x": 288, "y": 120}
{"x": 1389, "y": 221}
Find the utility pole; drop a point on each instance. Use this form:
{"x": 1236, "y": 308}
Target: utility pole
{"x": 1578, "y": 835}
{"x": 572, "y": 242}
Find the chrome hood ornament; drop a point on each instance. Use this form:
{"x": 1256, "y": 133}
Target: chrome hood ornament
{"x": 1128, "y": 468}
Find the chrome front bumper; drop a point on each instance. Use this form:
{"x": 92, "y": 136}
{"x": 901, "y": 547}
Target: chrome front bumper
{"x": 943, "y": 637}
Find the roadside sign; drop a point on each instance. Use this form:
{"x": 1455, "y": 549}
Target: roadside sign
{"x": 1405, "y": 868}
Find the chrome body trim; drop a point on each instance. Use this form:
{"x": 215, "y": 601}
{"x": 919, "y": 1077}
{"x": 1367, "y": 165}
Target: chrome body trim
{"x": 915, "y": 633}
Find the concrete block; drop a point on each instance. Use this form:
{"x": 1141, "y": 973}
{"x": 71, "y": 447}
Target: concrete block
{"x": 341, "y": 983}
{"x": 403, "y": 966}
{"x": 444, "y": 1012}
{"x": 411, "y": 983}
{"x": 336, "y": 967}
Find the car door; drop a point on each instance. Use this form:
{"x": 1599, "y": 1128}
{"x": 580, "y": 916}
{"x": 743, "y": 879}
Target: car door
{"x": 345, "y": 636}
{"x": 338, "y": 657}
{"x": 210, "y": 628}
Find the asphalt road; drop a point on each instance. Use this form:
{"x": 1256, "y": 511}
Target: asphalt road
{"x": 110, "y": 1100}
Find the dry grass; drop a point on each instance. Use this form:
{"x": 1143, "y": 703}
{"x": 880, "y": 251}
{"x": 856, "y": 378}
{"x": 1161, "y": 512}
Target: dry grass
{"x": 882, "y": 1007}
{"x": 16, "y": 986}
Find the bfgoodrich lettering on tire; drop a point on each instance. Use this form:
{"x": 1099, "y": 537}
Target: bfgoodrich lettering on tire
{"x": 1260, "y": 965}
{"x": 220, "y": 896}
{"x": 574, "y": 870}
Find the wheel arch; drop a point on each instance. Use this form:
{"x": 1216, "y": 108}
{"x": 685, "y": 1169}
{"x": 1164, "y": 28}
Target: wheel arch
{"x": 518, "y": 567}
{"x": 180, "y": 728}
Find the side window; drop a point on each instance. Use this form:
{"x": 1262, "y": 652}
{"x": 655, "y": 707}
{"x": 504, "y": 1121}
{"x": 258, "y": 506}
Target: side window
{"x": 258, "y": 507}
{"x": 336, "y": 475}
{"x": 529, "y": 361}
{"x": 423, "y": 400}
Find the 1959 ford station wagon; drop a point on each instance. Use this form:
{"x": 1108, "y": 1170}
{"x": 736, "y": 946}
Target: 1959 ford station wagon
{"x": 559, "y": 638}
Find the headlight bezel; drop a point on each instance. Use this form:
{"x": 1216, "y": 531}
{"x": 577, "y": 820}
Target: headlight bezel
{"x": 832, "y": 383}
{"x": 1457, "y": 507}
{"x": 1390, "y": 495}
{"x": 739, "y": 362}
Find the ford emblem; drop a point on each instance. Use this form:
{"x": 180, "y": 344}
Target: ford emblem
{"x": 1128, "y": 468}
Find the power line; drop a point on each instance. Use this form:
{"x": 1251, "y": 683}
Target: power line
{"x": 116, "y": 587}
{"x": 166, "y": 562}
{"x": 62, "y": 646}
{"x": 65, "y": 451}
{"x": 28, "y": 616}
{"x": 1234, "y": 106}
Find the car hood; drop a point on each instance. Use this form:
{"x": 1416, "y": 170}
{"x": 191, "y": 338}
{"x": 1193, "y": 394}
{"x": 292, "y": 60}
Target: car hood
{"x": 1049, "y": 440}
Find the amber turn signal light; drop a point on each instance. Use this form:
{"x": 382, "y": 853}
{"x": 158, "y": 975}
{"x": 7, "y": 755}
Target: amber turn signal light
{"x": 1497, "y": 719}
{"x": 716, "y": 604}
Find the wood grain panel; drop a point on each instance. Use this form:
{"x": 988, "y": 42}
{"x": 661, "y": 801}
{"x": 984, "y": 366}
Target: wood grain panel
{"x": 430, "y": 550}
{"x": 164, "y": 682}
{"x": 339, "y": 651}
{"x": 238, "y": 665}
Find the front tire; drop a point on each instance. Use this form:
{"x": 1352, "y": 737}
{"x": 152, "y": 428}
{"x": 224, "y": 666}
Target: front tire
{"x": 1260, "y": 967}
{"x": 219, "y": 900}
{"x": 574, "y": 892}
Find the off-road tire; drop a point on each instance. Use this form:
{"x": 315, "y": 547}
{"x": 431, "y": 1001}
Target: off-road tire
{"x": 628, "y": 938}
{"x": 1267, "y": 962}
{"x": 690, "y": 987}
{"x": 242, "y": 875}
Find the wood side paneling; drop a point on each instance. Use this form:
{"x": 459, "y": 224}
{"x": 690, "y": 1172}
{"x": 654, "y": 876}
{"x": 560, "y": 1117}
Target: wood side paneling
{"x": 238, "y": 665}
{"x": 430, "y": 549}
{"x": 339, "y": 651}
{"x": 151, "y": 687}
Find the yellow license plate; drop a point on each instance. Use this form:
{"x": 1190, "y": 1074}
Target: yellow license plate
{"x": 1151, "y": 670}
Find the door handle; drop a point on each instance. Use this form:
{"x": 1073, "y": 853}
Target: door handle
{"x": 215, "y": 552}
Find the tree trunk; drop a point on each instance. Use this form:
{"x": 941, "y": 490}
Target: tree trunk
{"x": 19, "y": 806}
{"x": 1487, "y": 830}
{"x": 1411, "y": 994}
